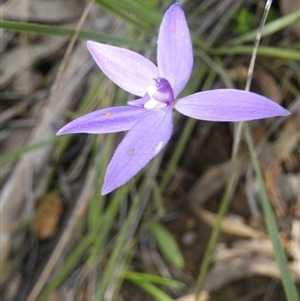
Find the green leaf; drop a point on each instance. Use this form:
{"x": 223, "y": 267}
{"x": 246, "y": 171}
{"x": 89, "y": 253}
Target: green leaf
{"x": 139, "y": 13}
{"x": 136, "y": 276}
{"x": 152, "y": 290}
{"x": 262, "y": 51}
{"x": 167, "y": 245}
{"x": 269, "y": 28}
{"x": 282, "y": 262}
{"x": 26, "y": 149}
{"x": 244, "y": 19}
{"x": 59, "y": 31}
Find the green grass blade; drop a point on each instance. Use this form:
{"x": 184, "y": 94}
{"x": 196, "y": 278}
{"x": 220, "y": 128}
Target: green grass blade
{"x": 167, "y": 245}
{"x": 287, "y": 281}
{"x": 230, "y": 185}
{"x": 269, "y": 28}
{"x": 120, "y": 242}
{"x": 107, "y": 226}
{"x": 50, "y": 30}
{"x": 152, "y": 290}
{"x": 268, "y": 51}
{"x": 97, "y": 201}
{"x": 136, "y": 276}
{"x": 138, "y": 13}
{"x": 81, "y": 247}
{"x": 23, "y": 150}
{"x": 69, "y": 264}
{"x": 183, "y": 140}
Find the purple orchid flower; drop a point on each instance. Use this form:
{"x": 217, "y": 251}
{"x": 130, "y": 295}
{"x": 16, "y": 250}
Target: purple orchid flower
{"x": 149, "y": 118}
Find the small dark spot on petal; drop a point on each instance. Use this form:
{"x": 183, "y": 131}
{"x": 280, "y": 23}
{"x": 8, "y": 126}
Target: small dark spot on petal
{"x": 132, "y": 151}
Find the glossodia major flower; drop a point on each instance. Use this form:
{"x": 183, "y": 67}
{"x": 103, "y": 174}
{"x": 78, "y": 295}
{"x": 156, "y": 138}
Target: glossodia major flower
{"x": 149, "y": 118}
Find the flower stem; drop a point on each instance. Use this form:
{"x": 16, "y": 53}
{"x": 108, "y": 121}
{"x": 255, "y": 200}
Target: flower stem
{"x": 230, "y": 186}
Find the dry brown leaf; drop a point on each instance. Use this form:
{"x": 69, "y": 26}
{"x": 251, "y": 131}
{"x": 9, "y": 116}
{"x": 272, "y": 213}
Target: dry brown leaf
{"x": 50, "y": 207}
{"x": 12, "y": 65}
{"x": 13, "y": 287}
{"x": 15, "y": 139}
{"x": 48, "y": 121}
{"x": 204, "y": 296}
{"x": 268, "y": 156}
{"x": 240, "y": 247}
{"x": 229, "y": 225}
{"x": 288, "y": 140}
{"x": 46, "y": 11}
{"x": 239, "y": 267}
{"x": 271, "y": 175}
{"x": 289, "y": 186}
{"x": 212, "y": 181}
{"x": 26, "y": 82}
{"x": 264, "y": 81}
{"x": 290, "y": 6}
{"x": 281, "y": 187}
{"x": 267, "y": 84}
{"x": 295, "y": 247}
{"x": 241, "y": 260}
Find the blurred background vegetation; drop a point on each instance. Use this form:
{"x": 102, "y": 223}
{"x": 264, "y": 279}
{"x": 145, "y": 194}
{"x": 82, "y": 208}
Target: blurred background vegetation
{"x": 150, "y": 239}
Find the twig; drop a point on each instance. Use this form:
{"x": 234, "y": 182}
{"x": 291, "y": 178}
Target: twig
{"x": 70, "y": 48}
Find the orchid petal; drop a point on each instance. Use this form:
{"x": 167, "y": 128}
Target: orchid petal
{"x": 127, "y": 69}
{"x": 139, "y": 102}
{"x": 228, "y": 105}
{"x": 143, "y": 142}
{"x": 174, "y": 49}
{"x": 107, "y": 120}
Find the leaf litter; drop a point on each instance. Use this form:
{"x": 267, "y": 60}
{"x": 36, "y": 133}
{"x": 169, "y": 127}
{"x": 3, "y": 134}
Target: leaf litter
{"x": 188, "y": 206}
